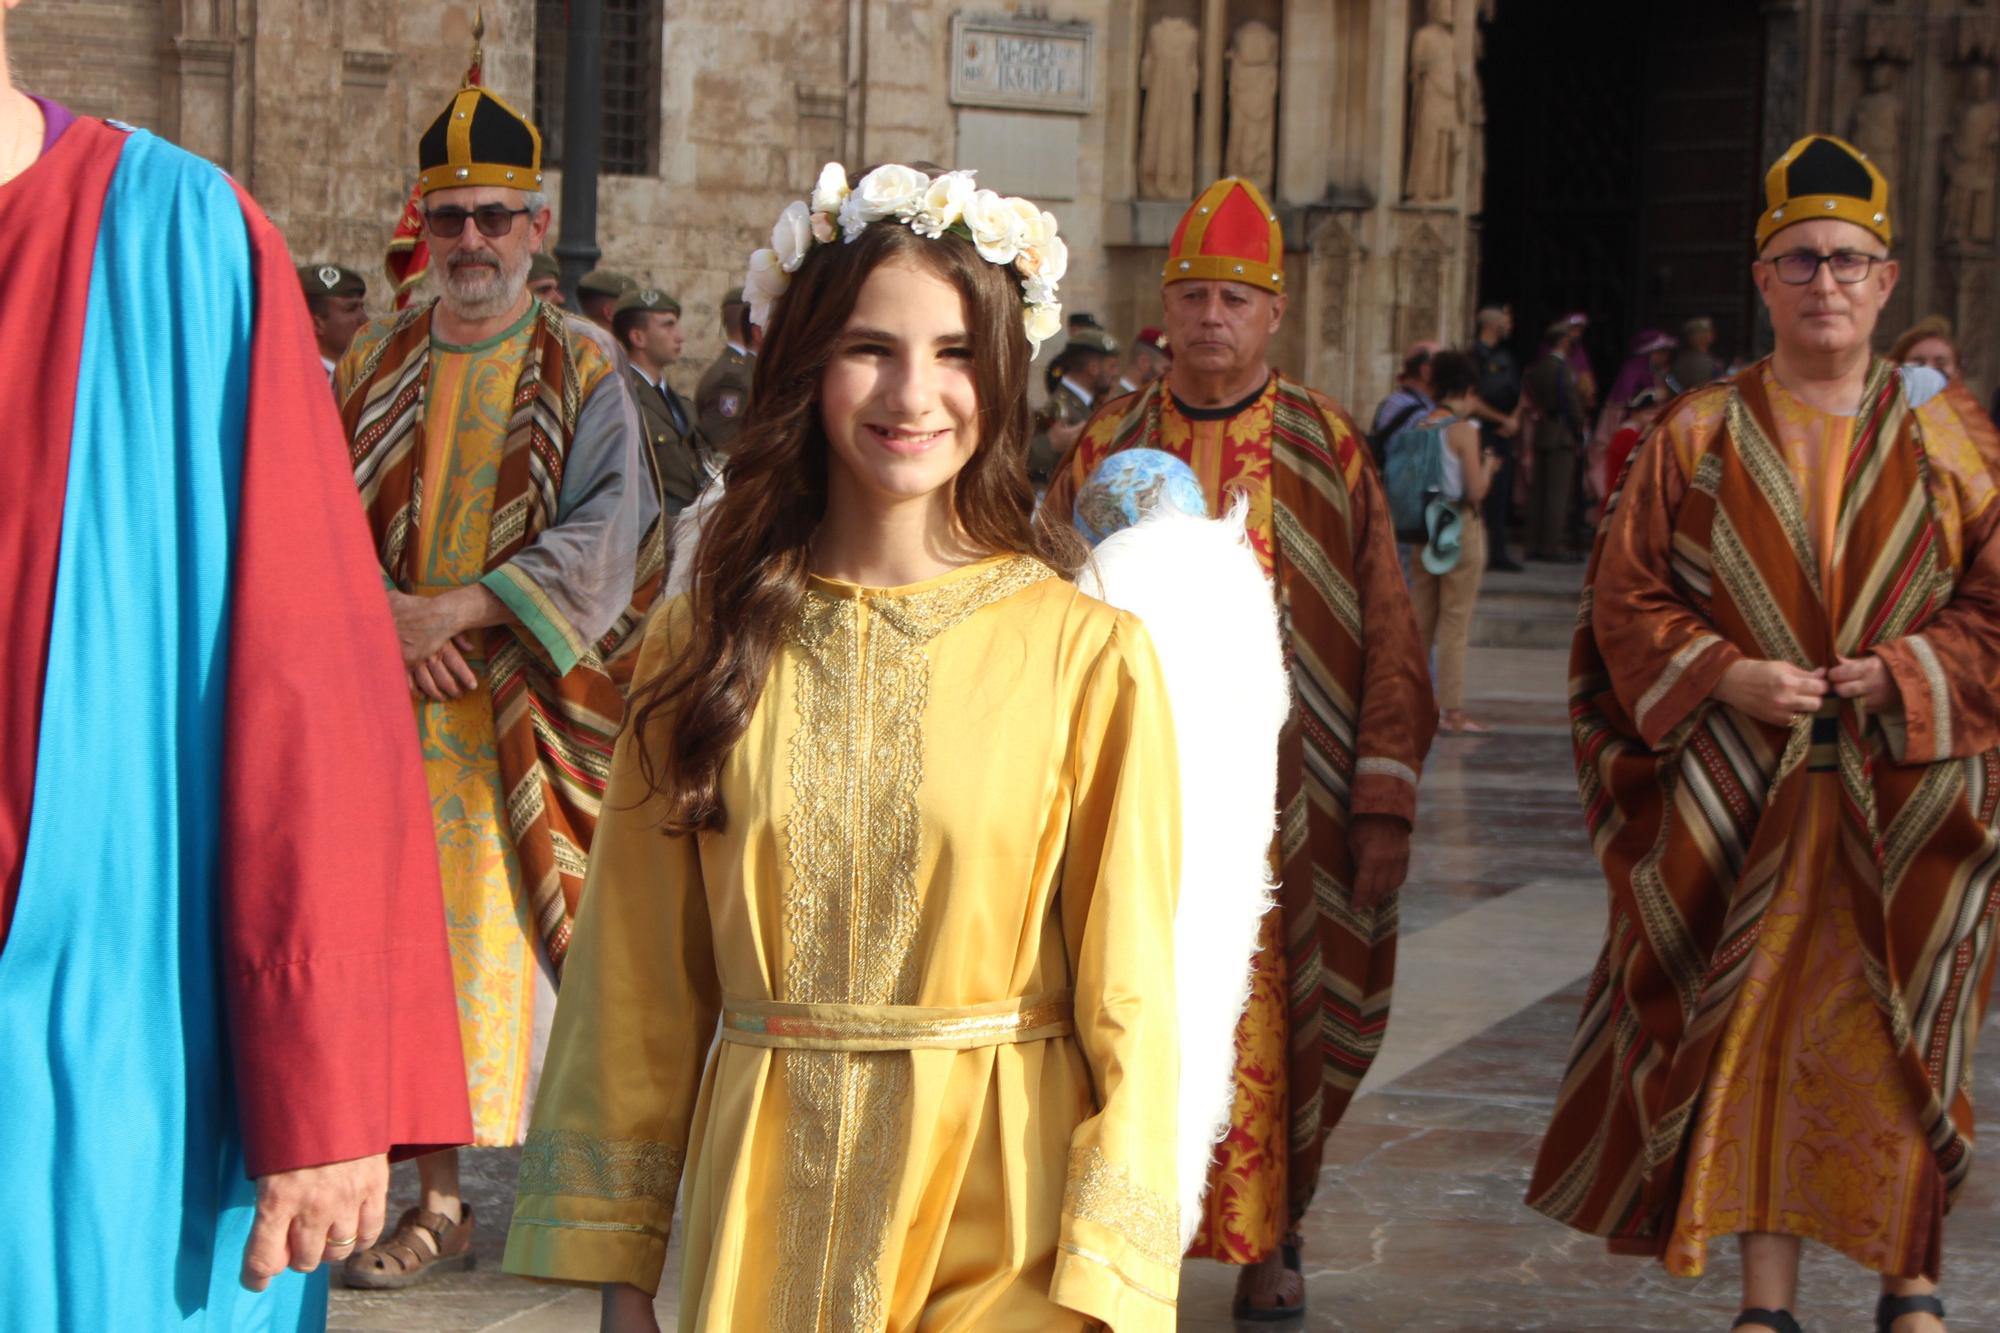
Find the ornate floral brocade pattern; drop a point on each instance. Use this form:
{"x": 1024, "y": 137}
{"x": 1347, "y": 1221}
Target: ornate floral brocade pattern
{"x": 487, "y": 919}
{"x": 1103, "y": 1192}
{"x": 1243, "y": 1211}
{"x": 565, "y": 1161}
{"x": 851, "y": 910}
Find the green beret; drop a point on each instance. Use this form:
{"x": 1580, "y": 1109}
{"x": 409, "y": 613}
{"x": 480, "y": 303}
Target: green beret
{"x": 331, "y": 280}
{"x": 646, "y": 298}
{"x": 604, "y": 282}
{"x": 543, "y": 266}
{"x": 1091, "y": 338}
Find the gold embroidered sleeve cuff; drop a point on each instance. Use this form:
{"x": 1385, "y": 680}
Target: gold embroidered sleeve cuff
{"x": 593, "y": 1210}
{"x": 1120, "y": 1253}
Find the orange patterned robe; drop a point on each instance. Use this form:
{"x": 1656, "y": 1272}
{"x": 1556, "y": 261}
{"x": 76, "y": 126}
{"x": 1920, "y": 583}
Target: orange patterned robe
{"x": 1266, "y": 1166}
{"x": 1778, "y": 1034}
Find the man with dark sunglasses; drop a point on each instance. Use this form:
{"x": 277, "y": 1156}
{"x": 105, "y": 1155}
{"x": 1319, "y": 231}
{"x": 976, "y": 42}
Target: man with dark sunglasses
{"x": 497, "y": 451}
{"x": 1787, "y": 740}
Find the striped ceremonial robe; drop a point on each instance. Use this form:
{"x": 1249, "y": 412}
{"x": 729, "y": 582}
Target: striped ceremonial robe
{"x": 1705, "y": 559}
{"x": 1362, "y": 721}
{"x": 556, "y": 717}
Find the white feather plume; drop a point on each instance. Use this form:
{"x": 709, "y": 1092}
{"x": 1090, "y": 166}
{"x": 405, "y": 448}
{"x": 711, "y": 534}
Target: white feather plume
{"x": 688, "y": 525}
{"x": 1204, "y": 599}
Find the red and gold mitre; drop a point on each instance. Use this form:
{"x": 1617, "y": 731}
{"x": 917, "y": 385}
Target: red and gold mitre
{"x": 1228, "y": 234}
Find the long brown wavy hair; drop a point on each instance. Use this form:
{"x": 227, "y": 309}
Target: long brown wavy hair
{"x": 751, "y": 562}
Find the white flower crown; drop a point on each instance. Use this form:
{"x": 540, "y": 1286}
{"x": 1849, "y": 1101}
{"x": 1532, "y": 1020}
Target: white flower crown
{"x": 1004, "y": 229}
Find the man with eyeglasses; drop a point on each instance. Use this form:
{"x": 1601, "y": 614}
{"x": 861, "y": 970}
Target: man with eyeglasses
{"x": 1788, "y": 743}
{"x": 497, "y": 452}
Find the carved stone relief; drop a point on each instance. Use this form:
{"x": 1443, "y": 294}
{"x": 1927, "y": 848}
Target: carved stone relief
{"x": 1877, "y": 125}
{"x": 1420, "y": 273}
{"x": 1333, "y": 260}
{"x": 1253, "y": 105}
{"x": 1972, "y": 157}
{"x": 1170, "y": 78}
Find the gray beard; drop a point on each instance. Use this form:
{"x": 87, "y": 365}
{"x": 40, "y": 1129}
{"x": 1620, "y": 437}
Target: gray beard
{"x": 477, "y": 293}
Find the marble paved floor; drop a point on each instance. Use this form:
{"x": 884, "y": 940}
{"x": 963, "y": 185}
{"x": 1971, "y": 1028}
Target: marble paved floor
{"x": 1418, "y": 1226}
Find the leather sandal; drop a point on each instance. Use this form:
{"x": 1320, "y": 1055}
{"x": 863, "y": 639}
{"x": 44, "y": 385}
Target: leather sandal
{"x": 1891, "y": 1308}
{"x": 1244, "y": 1312}
{"x": 406, "y": 1257}
{"x": 1778, "y": 1321}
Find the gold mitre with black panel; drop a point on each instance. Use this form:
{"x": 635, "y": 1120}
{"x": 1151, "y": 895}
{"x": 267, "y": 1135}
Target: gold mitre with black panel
{"x": 479, "y": 140}
{"x": 1824, "y": 177}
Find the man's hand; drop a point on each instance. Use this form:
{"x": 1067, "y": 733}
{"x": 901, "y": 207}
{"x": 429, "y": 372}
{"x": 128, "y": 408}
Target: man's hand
{"x": 626, "y": 1309}
{"x": 426, "y": 624}
{"x": 446, "y": 675}
{"x": 1510, "y": 426}
{"x": 302, "y": 1214}
{"x": 1380, "y": 848}
{"x": 1865, "y": 679}
{"x": 1773, "y": 692}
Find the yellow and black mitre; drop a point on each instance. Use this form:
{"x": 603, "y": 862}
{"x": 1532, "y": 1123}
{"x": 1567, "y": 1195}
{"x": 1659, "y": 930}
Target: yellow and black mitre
{"x": 1824, "y": 177}
{"x": 479, "y": 140}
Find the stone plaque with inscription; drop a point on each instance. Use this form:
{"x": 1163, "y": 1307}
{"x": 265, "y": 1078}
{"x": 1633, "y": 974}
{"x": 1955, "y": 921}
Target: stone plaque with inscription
{"x": 1021, "y": 64}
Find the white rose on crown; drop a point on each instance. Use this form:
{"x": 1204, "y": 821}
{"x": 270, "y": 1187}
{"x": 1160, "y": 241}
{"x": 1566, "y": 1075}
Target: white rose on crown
{"x": 763, "y": 284}
{"x": 793, "y": 235}
{"x": 1005, "y": 230}
{"x": 888, "y": 191}
{"x": 942, "y": 204}
{"x": 995, "y": 227}
{"x": 831, "y": 190}
{"x": 1041, "y": 321}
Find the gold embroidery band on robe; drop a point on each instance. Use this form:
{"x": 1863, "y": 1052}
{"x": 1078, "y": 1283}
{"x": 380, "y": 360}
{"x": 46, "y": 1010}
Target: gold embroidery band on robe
{"x": 897, "y": 1027}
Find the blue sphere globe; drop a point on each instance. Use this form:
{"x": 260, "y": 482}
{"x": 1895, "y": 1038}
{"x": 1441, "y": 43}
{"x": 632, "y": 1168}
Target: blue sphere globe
{"x": 1132, "y": 484}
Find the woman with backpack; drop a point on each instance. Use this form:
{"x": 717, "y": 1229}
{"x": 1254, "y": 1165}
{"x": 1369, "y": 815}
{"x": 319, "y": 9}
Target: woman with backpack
{"x": 1444, "y": 599}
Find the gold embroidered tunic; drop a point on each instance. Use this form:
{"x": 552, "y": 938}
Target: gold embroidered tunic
{"x": 937, "y": 936}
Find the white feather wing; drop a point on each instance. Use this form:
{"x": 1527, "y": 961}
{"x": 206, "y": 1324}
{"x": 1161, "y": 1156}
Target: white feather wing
{"x": 1208, "y": 607}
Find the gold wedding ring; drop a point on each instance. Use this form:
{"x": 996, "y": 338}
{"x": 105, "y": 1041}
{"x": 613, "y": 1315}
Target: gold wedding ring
{"x": 337, "y": 1243}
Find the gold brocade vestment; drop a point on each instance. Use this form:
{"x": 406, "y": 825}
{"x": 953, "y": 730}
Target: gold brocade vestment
{"x": 955, "y": 811}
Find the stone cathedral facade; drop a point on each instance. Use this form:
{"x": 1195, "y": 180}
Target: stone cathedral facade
{"x": 1366, "y": 121}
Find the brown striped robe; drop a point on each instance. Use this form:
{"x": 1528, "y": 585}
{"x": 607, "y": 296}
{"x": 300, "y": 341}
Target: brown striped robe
{"x": 555, "y": 717}
{"x": 1362, "y": 722}
{"x": 1690, "y": 804}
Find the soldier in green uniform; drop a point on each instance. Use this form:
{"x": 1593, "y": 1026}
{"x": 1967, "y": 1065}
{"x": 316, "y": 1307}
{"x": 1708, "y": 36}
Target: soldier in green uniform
{"x": 336, "y": 298}
{"x": 1085, "y": 369}
{"x": 598, "y": 291}
{"x": 724, "y": 392}
{"x": 647, "y": 324}
{"x": 545, "y": 279}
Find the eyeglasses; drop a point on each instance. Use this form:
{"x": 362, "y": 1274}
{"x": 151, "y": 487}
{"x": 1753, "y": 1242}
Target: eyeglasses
{"x": 1847, "y": 266}
{"x": 492, "y": 220}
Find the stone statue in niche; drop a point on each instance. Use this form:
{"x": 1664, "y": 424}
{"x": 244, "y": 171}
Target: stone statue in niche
{"x": 1253, "y": 105}
{"x": 1972, "y": 158}
{"x": 1877, "y": 128}
{"x": 1170, "y": 76}
{"x": 1437, "y": 108}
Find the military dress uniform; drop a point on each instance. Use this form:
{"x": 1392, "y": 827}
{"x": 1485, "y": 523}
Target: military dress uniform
{"x": 723, "y": 395}
{"x": 682, "y": 460}
{"x": 1065, "y": 405}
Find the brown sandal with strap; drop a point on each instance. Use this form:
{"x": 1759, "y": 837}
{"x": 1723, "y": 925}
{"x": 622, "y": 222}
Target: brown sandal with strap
{"x": 422, "y": 1246}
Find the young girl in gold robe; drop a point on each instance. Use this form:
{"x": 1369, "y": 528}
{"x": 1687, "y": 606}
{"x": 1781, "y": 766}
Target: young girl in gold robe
{"x": 895, "y": 818}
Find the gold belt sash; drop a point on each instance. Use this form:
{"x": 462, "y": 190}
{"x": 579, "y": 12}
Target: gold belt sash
{"x": 897, "y": 1027}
